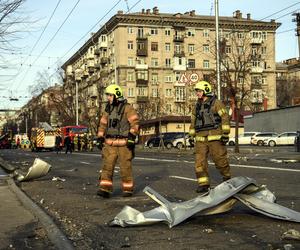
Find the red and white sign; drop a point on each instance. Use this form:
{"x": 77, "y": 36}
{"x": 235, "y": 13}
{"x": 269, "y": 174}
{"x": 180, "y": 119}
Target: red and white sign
{"x": 189, "y": 78}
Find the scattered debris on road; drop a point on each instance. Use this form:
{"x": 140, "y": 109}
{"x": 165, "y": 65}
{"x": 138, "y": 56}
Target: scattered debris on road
{"x": 58, "y": 179}
{"x": 219, "y": 200}
{"x": 38, "y": 169}
{"x": 291, "y": 234}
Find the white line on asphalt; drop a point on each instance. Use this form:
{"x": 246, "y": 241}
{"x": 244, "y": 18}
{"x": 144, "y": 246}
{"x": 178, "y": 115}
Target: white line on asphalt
{"x": 192, "y": 162}
{"x": 182, "y": 178}
{"x": 84, "y": 162}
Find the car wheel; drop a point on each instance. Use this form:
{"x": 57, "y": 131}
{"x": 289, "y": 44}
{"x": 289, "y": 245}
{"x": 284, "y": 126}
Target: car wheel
{"x": 179, "y": 145}
{"x": 272, "y": 143}
{"x": 169, "y": 145}
{"x": 150, "y": 145}
{"x": 231, "y": 143}
{"x": 260, "y": 143}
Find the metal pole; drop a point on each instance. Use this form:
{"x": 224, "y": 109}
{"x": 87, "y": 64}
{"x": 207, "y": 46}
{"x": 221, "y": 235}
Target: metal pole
{"x": 76, "y": 102}
{"x": 217, "y": 49}
{"x": 26, "y": 124}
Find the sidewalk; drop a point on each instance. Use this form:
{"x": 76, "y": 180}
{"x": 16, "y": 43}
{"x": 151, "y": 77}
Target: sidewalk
{"x": 23, "y": 224}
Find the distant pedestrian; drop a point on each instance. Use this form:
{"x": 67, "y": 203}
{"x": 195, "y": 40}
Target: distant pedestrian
{"x": 58, "y": 141}
{"x": 68, "y": 144}
{"x": 18, "y": 142}
{"x": 79, "y": 143}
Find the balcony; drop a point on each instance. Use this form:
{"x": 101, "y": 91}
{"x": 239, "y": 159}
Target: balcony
{"x": 142, "y": 52}
{"x": 178, "y": 38}
{"x": 179, "y": 53}
{"x": 97, "y": 52}
{"x": 141, "y": 66}
{"x": 141, "y": 82}
{"x": 140, "y": 99}
{"x": 257, "y": 69}
{"x": 104, "y": 60}
{"x": 179, "y": 99}
{"x": 142, "y": 37}
{"x": 255, "y": 85}
{"x": 102, "y": 44}
{"x": 256, "y": 40}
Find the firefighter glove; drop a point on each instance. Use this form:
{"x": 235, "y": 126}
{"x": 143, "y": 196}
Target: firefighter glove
{"x": 224, "y": 139}
{"x": 131, "y": 141}
{"x": 100, "y": 142}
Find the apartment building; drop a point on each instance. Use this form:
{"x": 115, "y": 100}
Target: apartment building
{"x": 147, "y": 52}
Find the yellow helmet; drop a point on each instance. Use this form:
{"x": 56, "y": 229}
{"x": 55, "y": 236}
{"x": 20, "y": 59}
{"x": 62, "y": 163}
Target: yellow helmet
{"x": 114, "y": 89}
{"x": 205, "y": 86}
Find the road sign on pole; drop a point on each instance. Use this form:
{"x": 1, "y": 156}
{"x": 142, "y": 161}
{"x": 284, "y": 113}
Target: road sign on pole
{"x": 189, "y": 78}
{"x": 183, "y": 78}
{"x": 194, "y": 77}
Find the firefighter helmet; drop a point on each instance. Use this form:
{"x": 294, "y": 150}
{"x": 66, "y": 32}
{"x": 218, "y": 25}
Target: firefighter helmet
{"x": 205, "y": 86}
{"x": 114, "y": 89}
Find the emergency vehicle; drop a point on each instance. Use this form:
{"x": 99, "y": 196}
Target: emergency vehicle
{"x": 43, "y": 137}
{"x": 73, "y": 131}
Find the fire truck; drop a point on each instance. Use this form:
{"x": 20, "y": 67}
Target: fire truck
{"x": 73, "y": 131}
{"x": 43, "y": 137}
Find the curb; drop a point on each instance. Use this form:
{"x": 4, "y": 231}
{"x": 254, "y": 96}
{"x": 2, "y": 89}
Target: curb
{"x": 55, "y": 235}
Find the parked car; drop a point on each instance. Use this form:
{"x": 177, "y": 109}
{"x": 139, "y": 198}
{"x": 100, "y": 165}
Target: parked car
{"x": 287, "y": 138}
{"x": 179, "y": 141}
{"x": 244, "y": 139}
{"x": 259, "y": 138}
{"x": 167, "y": 139}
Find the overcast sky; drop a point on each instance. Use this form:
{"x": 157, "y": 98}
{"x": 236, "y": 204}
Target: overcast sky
{"x": 89, "y": 12}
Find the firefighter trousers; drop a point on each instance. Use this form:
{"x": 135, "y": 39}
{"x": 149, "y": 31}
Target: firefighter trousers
{"x": 218, "y": 153}
{"x": 110, "y": 155}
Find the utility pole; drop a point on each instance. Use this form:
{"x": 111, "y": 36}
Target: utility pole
{"x": 76, "y": 101}
{"x": 297, "y": 21}
{"x": 217, "y": 49}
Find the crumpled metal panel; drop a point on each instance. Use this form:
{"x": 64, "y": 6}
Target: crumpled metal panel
{"x": 38, "y": 169}
{"x": 219, "y": 200}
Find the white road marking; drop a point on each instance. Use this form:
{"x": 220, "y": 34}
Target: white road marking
{"x": 84, "y": 162}
{"x": 192, "y": 162}
{"x": 182, "y": 178}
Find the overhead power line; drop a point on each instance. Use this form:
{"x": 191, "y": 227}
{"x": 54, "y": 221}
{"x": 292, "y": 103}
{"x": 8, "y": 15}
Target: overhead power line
{"x": 52, "y": 38}
{"x": 281, "y": 10}
{"x": 39, "y": 38}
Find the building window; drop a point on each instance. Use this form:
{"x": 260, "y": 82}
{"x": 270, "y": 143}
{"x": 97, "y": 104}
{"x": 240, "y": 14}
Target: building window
{"x": 177, "y": 48}
{"x": 155, "y": 92}
{"x": 168, "y": 92}
{"x": 130, "y": 30}
{"x": 179, "y": 93}
{"x": 142, "y": 75}
{"x": 263, "y": 50}
{"x": 256, "y": 64}
{"x": 191, "y": 48}
{"x": 154, "y": 78}
{"x": 191, "y": 63}
{"x": 140, "y": 60}
{"x": 177, "y": 76}
{"x": 205, "y": 48}
{"x": 130, "y": 76}
{"x": 169, "y": 108}
{"x": 154, "y": 62}
{"x": 168, "y": 62}
{"x": 168, "y": 47}
{"x": 168, "y": 78}
{"x": 180, "y": 109}
{"x": 130, "y": 92}
{"x": 191, "y": 32}
{"x": 205, "y": 33}
{"x": 142, "y": 91}
{"x": 141, "y": 46}
{"x": 227, "y": 49}
{"x": 130, "y": 61}
{"x": 167, "y": 32}
{"x": 264, "y": 80}
{"x": 154, "y": 46}
{"x": 103, "y": 38}
{"x": 240, "y": 80}
{"x": 240, "y": 35}
{"x": 140, "y": 32}
{"x": 264, "y": 35}
{"x": 206, "y": 64}
{"x": 240, "y": 49}
{"x": 130, "y": 45}
{"x": 154, "y": 31}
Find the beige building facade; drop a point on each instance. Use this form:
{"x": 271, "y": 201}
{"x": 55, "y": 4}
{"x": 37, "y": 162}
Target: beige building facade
{"x": 147, "y": 53}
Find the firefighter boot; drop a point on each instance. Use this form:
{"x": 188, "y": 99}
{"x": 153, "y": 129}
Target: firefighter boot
{"x": 202, "y": 189}
{"x": 103, "y": 193}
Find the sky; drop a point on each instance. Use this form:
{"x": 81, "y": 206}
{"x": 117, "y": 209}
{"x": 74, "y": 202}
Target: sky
{"x": 22, "y": 67}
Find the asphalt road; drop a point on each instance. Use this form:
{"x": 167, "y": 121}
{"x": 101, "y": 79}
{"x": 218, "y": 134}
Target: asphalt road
{"x": 83, "y": 216}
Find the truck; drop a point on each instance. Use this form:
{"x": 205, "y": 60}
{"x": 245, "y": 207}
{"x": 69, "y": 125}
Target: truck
{"x": 43, "y": 137}
{"x": 72, "y": 131}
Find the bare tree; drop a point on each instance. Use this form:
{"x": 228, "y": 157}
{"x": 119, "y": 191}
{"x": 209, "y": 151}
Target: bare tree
{"x": 287, "y": 89}
{"x": 237, "y": 58}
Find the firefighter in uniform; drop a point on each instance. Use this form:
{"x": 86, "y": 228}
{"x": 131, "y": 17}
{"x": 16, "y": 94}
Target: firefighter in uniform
{"x": 119, "y": 126}
{"x": 210, "y": 129}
